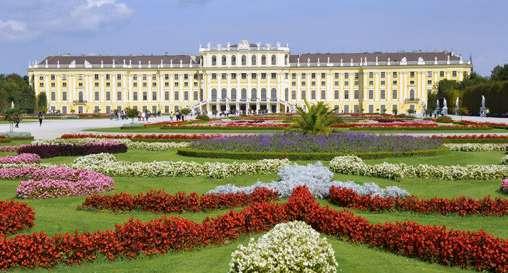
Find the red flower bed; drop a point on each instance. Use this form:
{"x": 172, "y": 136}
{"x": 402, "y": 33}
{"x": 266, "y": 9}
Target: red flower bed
{"x": 143, "y": 136}
{"x": 15, "y": 216}
{"x": 477, "y": 250}
{"x": 461, "y": 206}
{"x": 52, "y": 150}
{"x": 472, "y": 136}
{"x": 389, "y": 125}
{"x": 160, "y": 201}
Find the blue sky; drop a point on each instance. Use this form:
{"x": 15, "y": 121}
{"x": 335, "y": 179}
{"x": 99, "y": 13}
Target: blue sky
{"x": 32, "y": 29}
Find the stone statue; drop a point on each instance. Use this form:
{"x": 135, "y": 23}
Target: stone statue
{"x": 457, "y": 106}
{"x": 444, "y": 111}
{"x": 483, "y": 109}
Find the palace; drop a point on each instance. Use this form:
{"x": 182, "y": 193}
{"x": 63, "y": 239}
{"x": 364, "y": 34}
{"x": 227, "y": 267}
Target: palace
{"x": 245, "y": 78}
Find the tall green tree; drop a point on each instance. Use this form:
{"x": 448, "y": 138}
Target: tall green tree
{"x": 316, "y": 119}
{"x": 500, "y": 73}
{"x": 42, "y": 102}
{"x": 14, "y": 88}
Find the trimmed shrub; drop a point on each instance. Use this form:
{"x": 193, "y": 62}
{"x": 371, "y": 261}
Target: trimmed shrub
{"x": 49, "y": 150}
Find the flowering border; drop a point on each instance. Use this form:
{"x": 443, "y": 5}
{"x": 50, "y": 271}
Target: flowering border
{"x": 15, "y": 216}
{"x": 144, "y": 137}
{"x": 462, "y": 206}
{"x": 466, "y": 249}
{"x": 52, "y": 150}
{"x": 23, "y": 158}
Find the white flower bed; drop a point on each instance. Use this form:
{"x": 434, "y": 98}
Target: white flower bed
{"x": 355, "y": 166}
{"x": 133, "y": 145}
{"x": 108, "y": 164}
{"x": 476, "y": 147}
{"x": 288, "y": 247}
{"x": 316, "y": 177}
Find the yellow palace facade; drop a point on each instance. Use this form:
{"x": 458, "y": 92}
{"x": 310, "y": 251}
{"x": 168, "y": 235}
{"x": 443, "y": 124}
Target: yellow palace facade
{"x": 245, "y": 78}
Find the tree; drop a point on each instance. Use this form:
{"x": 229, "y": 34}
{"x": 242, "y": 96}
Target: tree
{"x": 42, "y": 102}
{"x": 316, "y": 120}
{"x": 13, "y": 115}
{"x": 185, "y": 111}
{"x": 500, "y": 73}
{"x": 16, "y": 88}
{"x": 132, "y": 113}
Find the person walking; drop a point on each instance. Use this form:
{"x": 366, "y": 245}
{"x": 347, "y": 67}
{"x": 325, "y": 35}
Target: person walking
{"x": 40, "y": 117}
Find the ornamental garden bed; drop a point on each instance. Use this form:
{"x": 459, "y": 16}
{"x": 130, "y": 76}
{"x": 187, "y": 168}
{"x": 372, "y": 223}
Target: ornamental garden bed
{"x": 300, "y": 146}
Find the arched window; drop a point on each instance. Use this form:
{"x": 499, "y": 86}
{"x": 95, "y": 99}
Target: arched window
{"x": 244, "y": 94}
{"x": 233, "y": 94}
{"x": 286, "y": 60}
{"x": 274, "y": 60}
{"x": 223, "y": 94}
{"x": 411, "y": 94}
{"x": 214, "y": 60}
{"x": 263, "y": 60}
{"x": 263, "y": 94}
{"x": 244, "y": 60}
{"x": 254, "y": 94}
{"x": 214, "y": 94}
{"x": 233, "y": 60}
{"x": 273, "y": 94}
{"x": 224, "y": 60}
{"x": 253, "y": 60}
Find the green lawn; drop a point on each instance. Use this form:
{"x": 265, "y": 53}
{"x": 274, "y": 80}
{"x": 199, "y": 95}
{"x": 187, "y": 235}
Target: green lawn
{"x": 61, "y": 215}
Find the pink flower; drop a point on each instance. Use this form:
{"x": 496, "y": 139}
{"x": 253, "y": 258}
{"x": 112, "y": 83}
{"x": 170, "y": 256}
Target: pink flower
{"x": 25, "y": 158}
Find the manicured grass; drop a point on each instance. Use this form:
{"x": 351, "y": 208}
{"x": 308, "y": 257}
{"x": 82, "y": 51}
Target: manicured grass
{"x": 61, "y": 215}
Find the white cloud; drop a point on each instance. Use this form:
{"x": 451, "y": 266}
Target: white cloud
{"x": 33, "y": 18}
{"x": 13, "y": 30}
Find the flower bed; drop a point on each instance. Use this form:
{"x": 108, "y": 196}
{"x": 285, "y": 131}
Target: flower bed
{"x": 49, "y": 182}
{"x": 108, "y": 164}
{"x": 229, "y": 125}
{"x": 162, "y": 202}
{"x": 466, "y": 249}
{"x": 476, "y": 147}
{"x": 461, "y": 206}
{"x": 473, "y": 138}
{"x": 504, "y": 186}
{"x": 9, "y": 148}
{"x": 355, "y": 166}
{"x": 424, "y": 124}
{"x": 21, "y": 159}
{"x": 49, "y": 150}
{"x": 15, "y": 216}
{"x": 343, "y": 143}
{"x": 143, "y": 137}
{"x": 288, "y": 247}
{"x": 316, "y": 177}
{"x": 131, "y": 145}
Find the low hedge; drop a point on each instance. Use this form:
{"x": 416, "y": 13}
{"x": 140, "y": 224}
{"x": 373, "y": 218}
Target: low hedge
{"x": 300, "y": 156}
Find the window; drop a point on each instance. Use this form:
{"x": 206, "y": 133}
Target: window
{"x": 108, "y": 84}
{"x": 166, "y": 77}
{"x": 166, "y": 109}
{"x": 135, "y": 84}
{"x": 108, "y": 95}
{"x": 96, "y": 77}
{"x": 223, "y": 60}
{"x": 233, "y": 94}
{"x": 273, "y": 94}
{"x": 214, "y": 60}
{"x": 119, "y": 96}
{"x": 394, "y": 109}
{"x": 253, "y": 60}
{"x": 412, "y": 74}
{"x": 214, "y": 94}
{"x": 383, "y": 75}
{"x": 263, "y": 94}
{"x": 53, "y": 96}
{"x": 371, "y": 109}
{"x": 64, "y": 96}
{"x": 336, "y": 75}
{"x": 145, "y": 96}
{"x": 223, "y": 94}
{"x": 166, "y": 95}
{"x": 313, "y": 75}
{"x": 244, "y": 76}
{"x": 274, "y": 76}
{"x": 286, "y": 94}
{"x": 253, "y": 76}
{"x": 119, "y": 84}
{"x": 429, "y": 74}
{"x": 263, "y": 76}
{"x": 135, "y": 96}
{"x": 177, "y": 95}
{"x": 274, "y": 60}
{"x": 336, "y": 83}
{"x": 371, "y": 75}
{"x": 154, "y": 84}
{"x": 53, "y": 84}
{"x": 371, "y": 94}
{"x": 233, "y": 76}
{"x": 412, "y": 82}
{"x": 244, "y": 94}
{"x": 196, "y": 95}
{"x": 253, "y": 94}
{"x": 429, "y": 82}
{"x": 224, "y": 76}
{"x": 383, "y": 94}
{"x": 346, "y": 94}
{"x": 383, "y": 82}
{"x": 323, "y": 94}
{"x": 118, "y": 76}
{"x": 357, "y": 94}
{"x": 323, "y": 83}
{"x": 233, "y": 60}
{"x": 214, "y": 76}
{"x": 441, "y": 74}
{"x": 346, "y": 75}
{"x": 303, "y": 95}
{"x": 64, "y": 84}
{"x": 244, "y": 60}
{"x": 336, "y": 94}
{"x": 263, "y": 60}
{"x": 454, "y": 73}
{"x": 107, "y": 77}
{"x": 293, "y": 94}
{"x": 346, "y": 109}
{"x": 186, "y": 95}
{"x": 412, "y": 94}
{"x": 96, "y": 96}
{"x": 394, "y": 94}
